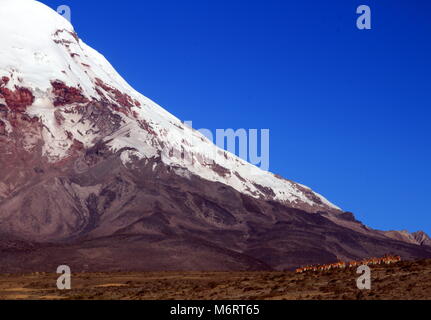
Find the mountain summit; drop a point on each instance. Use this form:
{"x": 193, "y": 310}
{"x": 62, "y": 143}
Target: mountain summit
{"x": 97, "y": 176}
{"x": 77, "y": 100}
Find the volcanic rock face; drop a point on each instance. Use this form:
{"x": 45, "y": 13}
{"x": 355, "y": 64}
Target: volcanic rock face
{"x": 419, "y": 238}
{"x": 97, "y": 176}
{"x": 422, "y": 238}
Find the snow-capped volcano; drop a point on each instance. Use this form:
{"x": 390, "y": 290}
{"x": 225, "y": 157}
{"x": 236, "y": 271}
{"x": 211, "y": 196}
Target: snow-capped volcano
{"x": 41, "y": 54}
{"x": 107, "y": 176}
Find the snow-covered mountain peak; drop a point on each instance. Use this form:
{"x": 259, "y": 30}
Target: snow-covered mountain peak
{"x": 29, "y": 24}
{"x": 69, "y": 98}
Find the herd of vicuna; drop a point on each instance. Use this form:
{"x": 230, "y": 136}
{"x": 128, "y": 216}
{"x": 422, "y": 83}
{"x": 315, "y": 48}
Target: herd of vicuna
{"x": 388, "y": 259}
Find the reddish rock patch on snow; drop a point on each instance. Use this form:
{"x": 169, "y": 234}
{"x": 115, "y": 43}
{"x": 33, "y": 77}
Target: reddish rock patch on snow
{"x": 58, "y": 117}
{"x": 73, "y": 34}
{"x": 123, "y": 99}
{"x": 4, "y": 81}
{"x": 17, "y": 100}
{"x": 147, "y": 127}
{"x": 2, "y": 128}
{"x": 65, "y": 95}
{"x": 221, "y": 171}
{"x": 17, "y": 120}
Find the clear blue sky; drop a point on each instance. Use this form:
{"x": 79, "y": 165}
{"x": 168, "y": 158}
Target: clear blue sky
{"x": 348, "y": 110}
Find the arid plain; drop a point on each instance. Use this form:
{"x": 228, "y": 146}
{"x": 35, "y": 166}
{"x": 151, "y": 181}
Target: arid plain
{"x": 403, "y": 280}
